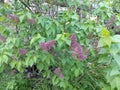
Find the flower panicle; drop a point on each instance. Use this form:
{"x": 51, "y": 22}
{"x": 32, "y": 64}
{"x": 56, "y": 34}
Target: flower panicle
{"x": 13, "y": 17}
{"x": 32, "y": 21}
{"x": 73, "y": 37}
{"x": 46, "y": 46}
{"x": 77, "y": 49}
{"x": 2, "y": 38}
{"x": 58, "y": 72}
{"x": 22, "y": 51}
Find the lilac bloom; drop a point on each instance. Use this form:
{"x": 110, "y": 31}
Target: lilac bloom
{"x": 2, "y": 38}
{"x": 22, "y": 51}
{"x": 43, "y": 46}
{"x": 31, "y": 21}
{"x": 61, "y": 75}
{"x": 50, "y": 44}
{"x": 58, "y": 72}
{"x": 47, "y": 45}
{"x": 95, "y": 44}
{"x": 78, "y": 53}
{"x": 77, "y": 48}
{"x": 14, "y": 17}
{"x": 73, "y": 37}
{"x": 74, "y": 44}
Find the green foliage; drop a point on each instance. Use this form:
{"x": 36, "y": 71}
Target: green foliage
{"x": 44, "y": 48}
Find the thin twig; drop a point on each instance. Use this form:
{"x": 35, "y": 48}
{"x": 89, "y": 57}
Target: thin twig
{"x": 26, "y": 5}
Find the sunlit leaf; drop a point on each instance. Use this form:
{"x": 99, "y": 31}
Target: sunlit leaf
{"x": 105, "y": 32}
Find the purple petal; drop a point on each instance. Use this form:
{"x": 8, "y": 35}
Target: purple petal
{"x": 22, "y": 51}
{"x": 2, "y": 38}
{"x": 73, "y": 37}
{"x": 50, "y": 44}
{"x": 74, "y": 44}
{"x": 61, "y": 75}
{"x": 95, "y": 44}
{"x": 79, "y": 53}
{"x": 58, "y": 72}
{"x": 47, "y": 45}
{"x": 31, "y": 21}
{"x": 14, "y": 17}
{"x": 43, "y": 46}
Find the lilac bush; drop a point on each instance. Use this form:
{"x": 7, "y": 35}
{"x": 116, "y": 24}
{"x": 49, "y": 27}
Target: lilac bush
{"x": 59, "y": 45}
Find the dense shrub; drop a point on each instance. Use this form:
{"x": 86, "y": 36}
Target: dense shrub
{"x": 43, "y": 47}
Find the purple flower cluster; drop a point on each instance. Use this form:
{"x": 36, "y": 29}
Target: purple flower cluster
{"x": 110, "y": 21}
{"x": 31, "y": 21}
{"x": 58, "y": 72}
{"x": 74, "y": 42}
{"x": 73, "y": 37}
{"x": 2, "y": 38}
{"x": 47, "y": 45}
{"x": 77, "y": 48}
{"x": 116, "y": 28}
{"x": 22, "y": 51}
{"x": 13, "y": 17}
{"x": 95, "y": 44}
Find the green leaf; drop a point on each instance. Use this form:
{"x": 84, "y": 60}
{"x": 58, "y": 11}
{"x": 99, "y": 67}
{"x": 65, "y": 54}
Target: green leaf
{"x": 106, "y": 87}
{"x": 105, "y": 32}
{"x": 100, "y": 43}
{"x": 115, "y": 83}
{"x": 62, "y": 84}
{"x": 115, "y": 48}
{"x": 75, "y": 17}
{"x": 104, "y": 58}
{"x": 35, "y": 38}
{"x": 19, "y": 66}
{"x": 55, "y": 80}
{"x": 48, "y": 60}
{"x": 11, "y": 85}
{"x": 13, "y": 64}
{"x": 63, "y": 37}
{"x": 58, "y": 36}
{"x": 48, "y": 32}
{"x": 35, "y": 59}
{"x": 48, "y": 73}
{"x": 31, "y": 62}
{"x": 1, "y": 68}
{"x": 21, "y": 18}
{"x": 60, "y": 43}
{"x": 76, "y": 72}
{"x": 40, "y": 66}
{"x": 8, "y": 53}
{"x": 5, "y": 59}
{"x": 64, "y": 61}
{"x": 116, "y": 38}
{"x": 48, "y": 24}
{"x": 117, "y": 58}
{"x": 115, "y": 70}
{"x": 42, "y": 20}
{"x": 107, "y": 41}
{"x": 68, "y": 42}
{"x": 29, "y": 15}
{"x": 27, "y": 61}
